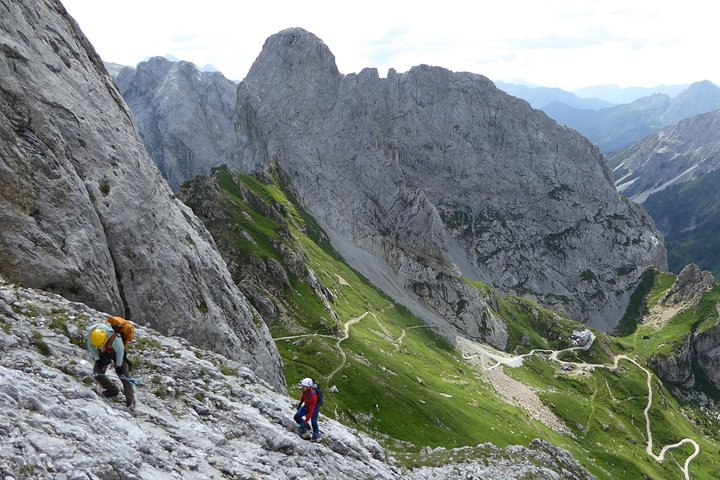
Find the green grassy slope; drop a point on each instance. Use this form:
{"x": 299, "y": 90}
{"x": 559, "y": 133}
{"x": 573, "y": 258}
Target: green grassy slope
{"x": 408, "y": 388}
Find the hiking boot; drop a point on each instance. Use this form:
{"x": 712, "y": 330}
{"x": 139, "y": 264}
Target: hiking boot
{"x": 315, "y": 440}
{"x": 131, "y": 406}
{"x": 111, "y": 392}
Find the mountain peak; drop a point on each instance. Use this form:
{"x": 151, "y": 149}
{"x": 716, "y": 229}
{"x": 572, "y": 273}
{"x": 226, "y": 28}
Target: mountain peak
{"x": 703, "y": 86}
{"x": 295, "y": 48}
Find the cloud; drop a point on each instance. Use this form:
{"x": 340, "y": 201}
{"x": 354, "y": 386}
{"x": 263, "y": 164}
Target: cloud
{"x": 184, "y": 38}
{"x": 596, "y": 37}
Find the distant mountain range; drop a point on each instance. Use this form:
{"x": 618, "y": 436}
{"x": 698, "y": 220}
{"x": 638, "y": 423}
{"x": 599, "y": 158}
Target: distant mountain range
{"x": 679, "y": 153}
{"x": 539, "y": 97}
{"x": 592, "y": 98}
{"x": 614, "y": 128}
{"x": 617, "y": 95}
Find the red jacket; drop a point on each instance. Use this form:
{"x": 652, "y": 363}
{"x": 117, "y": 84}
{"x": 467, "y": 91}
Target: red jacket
{"x": 309, "y": 398}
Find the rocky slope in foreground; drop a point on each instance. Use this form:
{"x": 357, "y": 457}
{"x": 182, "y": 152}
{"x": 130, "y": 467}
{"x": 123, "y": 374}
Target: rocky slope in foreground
{"x": 199, "y": 415}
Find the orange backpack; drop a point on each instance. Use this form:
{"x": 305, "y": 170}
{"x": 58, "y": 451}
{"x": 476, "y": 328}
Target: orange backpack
{"x": 122, "y": 327}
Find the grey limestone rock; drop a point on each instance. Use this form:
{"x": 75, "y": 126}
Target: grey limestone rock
{"x": 185, "y": 116}
{"x": 676, "y": 368}
{"x": 706, "y": 350}
{"x": 700, "y": 351}
{"x": 540, "y": 460}
{"x": 84, "y": 210}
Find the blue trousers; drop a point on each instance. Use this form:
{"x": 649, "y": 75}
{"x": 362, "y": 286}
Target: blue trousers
{"x": 314, "y": 420}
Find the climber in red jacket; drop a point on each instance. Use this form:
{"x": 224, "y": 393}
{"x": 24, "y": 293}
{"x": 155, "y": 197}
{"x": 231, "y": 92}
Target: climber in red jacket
{"x": 308, "y": 407}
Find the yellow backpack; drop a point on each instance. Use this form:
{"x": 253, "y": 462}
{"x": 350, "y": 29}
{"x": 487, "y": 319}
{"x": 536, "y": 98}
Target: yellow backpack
{"x": 122, "y": 327}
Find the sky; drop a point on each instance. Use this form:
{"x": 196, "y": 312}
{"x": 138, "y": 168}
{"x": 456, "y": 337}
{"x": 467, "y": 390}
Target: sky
{"x": 567, "y": 44}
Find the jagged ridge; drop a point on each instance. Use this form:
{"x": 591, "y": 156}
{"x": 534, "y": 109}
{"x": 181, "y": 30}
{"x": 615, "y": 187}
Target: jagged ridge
{"x": 438, "y": 175}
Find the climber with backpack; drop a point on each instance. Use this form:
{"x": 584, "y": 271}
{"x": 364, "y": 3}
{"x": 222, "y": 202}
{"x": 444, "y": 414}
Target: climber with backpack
{"x": 309, "y": 407}
{"x": 107, "y": 342}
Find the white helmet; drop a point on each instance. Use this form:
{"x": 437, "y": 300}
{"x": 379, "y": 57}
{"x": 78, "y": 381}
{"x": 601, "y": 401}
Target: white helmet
{"x": 306, "y": 382}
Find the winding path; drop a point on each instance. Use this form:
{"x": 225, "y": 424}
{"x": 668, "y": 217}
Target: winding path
{"x": 517, "y": 361}
{"x": 305, "y": 335}
{"x": 346, "y": 335}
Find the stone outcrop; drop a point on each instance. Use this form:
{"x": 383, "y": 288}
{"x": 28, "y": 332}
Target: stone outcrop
{"x": 427, "y": 176}
{"x": 689, "y": 286}
{"x": 84, "y": 210}
{"x": 199, "y": 415}
{"x": 676, "y": 368}
{"x": 706, "y": 352}
{"x": 185, "y": 116}
{"x": 700, "y": 352}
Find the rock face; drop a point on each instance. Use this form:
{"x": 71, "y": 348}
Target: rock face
{"x": 439, "y": 175}
{"x": 199, "y": 415}
{"x": 706, "y": 350}
{"x": 700, "y": 353}
{"x": 85, "y": 212}
{"x": 676, "y": 154}
{"x": 185, "y": 116}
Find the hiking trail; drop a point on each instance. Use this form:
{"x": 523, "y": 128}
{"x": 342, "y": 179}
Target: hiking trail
{"x": 485, "y": 352}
